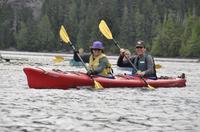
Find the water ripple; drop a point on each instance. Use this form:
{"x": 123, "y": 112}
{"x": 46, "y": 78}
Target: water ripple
{"x": 26, "y": 110}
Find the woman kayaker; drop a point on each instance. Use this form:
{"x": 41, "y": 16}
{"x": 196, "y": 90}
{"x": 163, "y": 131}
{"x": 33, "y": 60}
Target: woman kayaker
{"x": 143, "y": 62}
{"x": 98, "y": 61}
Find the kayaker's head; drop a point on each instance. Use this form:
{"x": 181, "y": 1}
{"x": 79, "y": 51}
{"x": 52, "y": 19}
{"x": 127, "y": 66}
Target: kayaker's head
{"x": 140, "y": 47}
{"x": 97, "y": 48}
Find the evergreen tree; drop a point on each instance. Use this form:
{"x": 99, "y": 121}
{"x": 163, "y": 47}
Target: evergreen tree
{"x": 82, "y": 36}
{"x": 45, "y": 37}
{"x": 22, "y": 37}
{"x": 170, "y": 28}
{"x": 191, "y": 38}
{"x": 6, "y": 30}
{"x": 168, "y": 42}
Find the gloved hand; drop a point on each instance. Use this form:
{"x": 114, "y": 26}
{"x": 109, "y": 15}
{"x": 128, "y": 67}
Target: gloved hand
{"x": 140, "y": 73}
{"x": 76, "y": 52}
{"x": 122, "y": 51}
{"x": 90, "y": 72}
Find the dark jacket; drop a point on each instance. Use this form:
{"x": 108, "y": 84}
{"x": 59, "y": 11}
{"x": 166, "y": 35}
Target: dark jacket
{"x": 145, "y": 64}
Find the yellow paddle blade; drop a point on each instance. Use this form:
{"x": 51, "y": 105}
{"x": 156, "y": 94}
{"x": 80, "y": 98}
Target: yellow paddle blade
{"x": 63, "y": 35}
{"x": 105, "y": 30}
{"x": 97, "y": 85}
{"x": 158, "y": 66}
{"x": 58, "y": 59}
{"x": 150, "y": 87}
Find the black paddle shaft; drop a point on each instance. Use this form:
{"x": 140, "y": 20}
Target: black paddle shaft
{"x": 74, "y": 49}
{"x": 116, "y": 43}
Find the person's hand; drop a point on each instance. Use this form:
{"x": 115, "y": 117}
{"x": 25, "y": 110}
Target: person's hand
{"x": 76, "y": 52}
{"x": 140, "y": 73}
{"x": 90, "y": 72}
{"x": 81, "y": 50}
{"x": 122, "y": 51}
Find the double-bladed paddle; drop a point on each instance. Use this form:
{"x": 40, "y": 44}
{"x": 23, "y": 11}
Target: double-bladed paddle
{"x": 65, "y": 38}
{"x": 108, "y": 34}
{"x": 58, "y": 59}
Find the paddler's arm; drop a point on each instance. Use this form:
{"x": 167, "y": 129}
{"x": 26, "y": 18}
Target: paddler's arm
{"x": 122, "y": 63}
{"x": 102, "y": 65}
{"x": 85, "y": 57}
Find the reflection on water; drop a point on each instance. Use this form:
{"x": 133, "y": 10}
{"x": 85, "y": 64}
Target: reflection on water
{"x": 128, "y": 110}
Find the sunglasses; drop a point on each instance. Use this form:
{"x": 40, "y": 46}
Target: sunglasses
{"x": 139, "y": 47}
{"x": 96, "y": 49}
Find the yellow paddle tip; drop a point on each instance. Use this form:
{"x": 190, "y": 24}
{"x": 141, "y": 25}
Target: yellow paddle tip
{"x": 103, "y": 27}
{"x": 63, "y": 35}
{"x": 158, "y": 66}
{"x": 58, "y": 59}
{"x": 98, "y": 86}
{"x": 150, "y": 87}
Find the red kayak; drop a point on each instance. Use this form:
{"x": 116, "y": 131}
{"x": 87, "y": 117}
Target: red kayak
{"x": 55, "y": 79}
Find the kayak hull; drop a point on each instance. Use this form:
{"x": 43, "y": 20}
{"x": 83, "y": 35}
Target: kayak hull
{"x": 50, "y": 79}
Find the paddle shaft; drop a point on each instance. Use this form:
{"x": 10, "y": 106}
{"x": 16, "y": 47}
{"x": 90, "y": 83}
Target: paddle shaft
{"x": 116, "y": 43}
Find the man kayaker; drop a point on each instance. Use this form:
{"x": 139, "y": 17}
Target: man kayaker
{"x": 143, "y": 62}
{"x": 98, "y": 61}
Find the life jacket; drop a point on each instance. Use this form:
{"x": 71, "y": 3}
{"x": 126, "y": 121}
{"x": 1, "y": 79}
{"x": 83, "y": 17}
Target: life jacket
{"x": 141, "y": 64}
{"x": 94, "y": 63}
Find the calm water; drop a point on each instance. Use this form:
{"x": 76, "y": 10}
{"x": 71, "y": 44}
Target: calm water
{"x": 109, "y": 110}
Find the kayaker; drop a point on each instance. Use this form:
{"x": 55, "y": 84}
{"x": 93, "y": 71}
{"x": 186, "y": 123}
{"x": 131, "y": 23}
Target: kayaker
{"x": 72, "y": 62}
{"x": 98, "y": 61}
{"x": 143, "y": 62}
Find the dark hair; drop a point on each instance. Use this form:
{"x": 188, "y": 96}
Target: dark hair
{"x": 100, "y": 49}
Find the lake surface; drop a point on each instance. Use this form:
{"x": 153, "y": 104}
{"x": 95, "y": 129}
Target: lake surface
{"x": 110, "y": 110}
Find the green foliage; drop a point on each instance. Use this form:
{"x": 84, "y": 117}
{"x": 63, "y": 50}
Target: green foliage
{"x": 45, "y": 37}
{"x": 191, "y": 38}
{"x": 6, "y": 33}
{"x": 22, "y": 37}
{"x": 168, "y": 41}
{"x": 169, "y": 28}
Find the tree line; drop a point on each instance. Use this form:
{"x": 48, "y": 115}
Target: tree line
{"x": 170, "y": 28}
